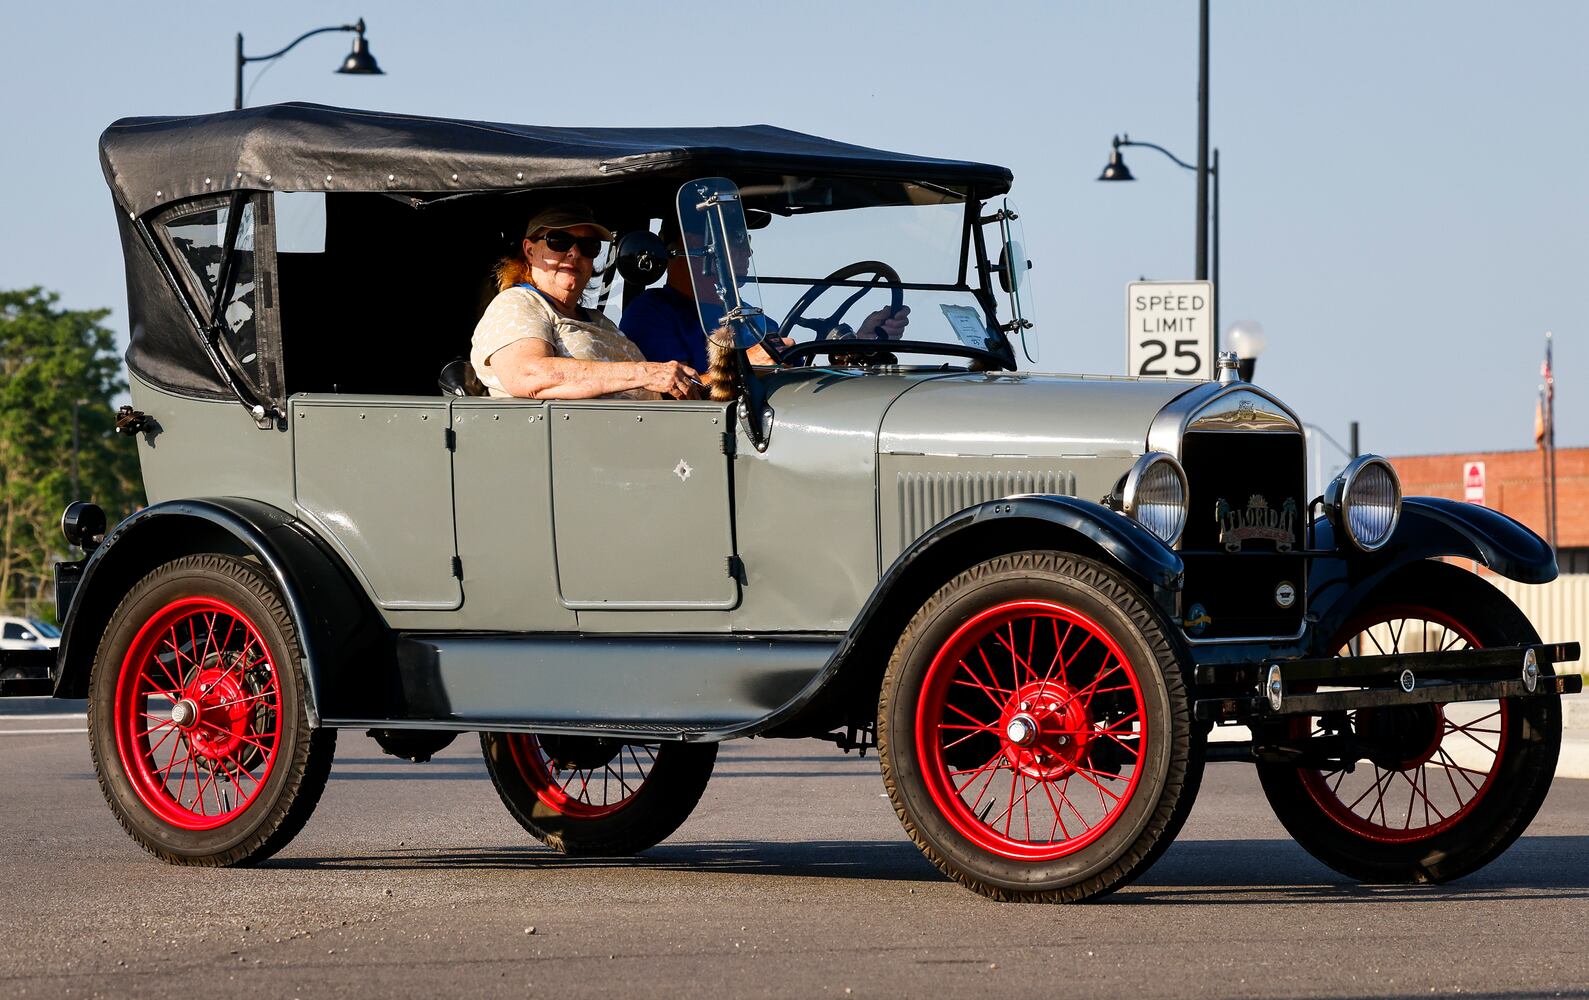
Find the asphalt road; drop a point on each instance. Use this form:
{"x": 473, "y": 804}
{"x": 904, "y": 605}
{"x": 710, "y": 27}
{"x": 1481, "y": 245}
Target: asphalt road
{"x": 793, "y": 879}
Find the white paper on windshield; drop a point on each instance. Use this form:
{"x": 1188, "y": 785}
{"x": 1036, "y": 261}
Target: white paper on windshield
{"x": 968, "y": 326}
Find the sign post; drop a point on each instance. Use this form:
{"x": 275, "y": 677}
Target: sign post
{"x": 1170, "y": 329}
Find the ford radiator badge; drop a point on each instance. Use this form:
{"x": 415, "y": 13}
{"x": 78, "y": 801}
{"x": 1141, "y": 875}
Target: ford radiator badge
{"x": 1256, "y": 520}
{"x": 1197, "y": 620}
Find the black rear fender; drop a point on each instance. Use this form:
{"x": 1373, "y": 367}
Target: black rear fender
{"x": 345, "y": 642}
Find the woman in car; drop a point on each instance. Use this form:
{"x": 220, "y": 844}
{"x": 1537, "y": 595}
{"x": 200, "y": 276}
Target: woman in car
{"x": 536, "y": 340}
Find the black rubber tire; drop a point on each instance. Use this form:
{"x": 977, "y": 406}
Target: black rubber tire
{"x": 1171, "y": 768}
{"x": 670, "y": 792}
{"x": 1524, "y": 770}
{"x": 303, "y": 762}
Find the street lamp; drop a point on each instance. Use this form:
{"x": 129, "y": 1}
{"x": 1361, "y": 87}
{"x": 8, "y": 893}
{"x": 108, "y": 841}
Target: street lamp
{"x": 1116, "y": 170}
{"x": 359, "y": 61}
{"x": 1247, "y": 339}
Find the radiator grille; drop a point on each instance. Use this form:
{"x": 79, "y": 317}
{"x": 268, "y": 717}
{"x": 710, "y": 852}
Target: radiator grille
{"x": 925, "y": 498}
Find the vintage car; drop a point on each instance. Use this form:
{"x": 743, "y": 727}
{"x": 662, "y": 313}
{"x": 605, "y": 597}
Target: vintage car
{"x": 1035, "y": 594}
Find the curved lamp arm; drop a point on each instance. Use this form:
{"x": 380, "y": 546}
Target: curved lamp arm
{"x": 237, "y": 99}
{"x": 310, "y": 34}
{"x": 1126, "y": 140}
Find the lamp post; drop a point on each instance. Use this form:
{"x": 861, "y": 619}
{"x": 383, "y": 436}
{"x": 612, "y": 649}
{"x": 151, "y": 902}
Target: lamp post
{"x": 1116, "y": 170}
{"x": 75, "y": 404}
{"x": 359, "y": 61}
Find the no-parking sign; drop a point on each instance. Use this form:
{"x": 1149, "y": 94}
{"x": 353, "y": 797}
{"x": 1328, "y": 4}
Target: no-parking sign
{"x": 1473, "y": 482}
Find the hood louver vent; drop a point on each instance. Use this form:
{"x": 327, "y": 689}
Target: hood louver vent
{"x": 925, "y": 498}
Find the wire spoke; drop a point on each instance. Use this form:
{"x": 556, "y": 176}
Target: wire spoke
{"x": 1059, "y": 651}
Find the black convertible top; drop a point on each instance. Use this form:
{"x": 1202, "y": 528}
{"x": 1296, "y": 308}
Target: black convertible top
{"x": 151, "y": 162}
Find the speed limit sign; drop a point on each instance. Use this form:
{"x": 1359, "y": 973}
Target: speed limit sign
{"x": 1170, "y": 329}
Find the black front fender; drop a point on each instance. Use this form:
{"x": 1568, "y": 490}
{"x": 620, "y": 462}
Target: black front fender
{"x": 846, "y": 688}
{"x": 1434, "y": 526}
{"x": 335, "y": 622}
{"x": 1121, "y": 539}
{"x": 1430, "y": 528}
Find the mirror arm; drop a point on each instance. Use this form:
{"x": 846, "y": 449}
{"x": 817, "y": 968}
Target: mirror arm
{"x": 753, "y": 408}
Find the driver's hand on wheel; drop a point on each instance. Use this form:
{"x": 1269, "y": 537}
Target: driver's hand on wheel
{"x": 758, "y": 355}
{"x": 885, "y": 324}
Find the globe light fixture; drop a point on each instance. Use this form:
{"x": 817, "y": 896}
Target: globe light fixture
{"x": 1247, "y": 339}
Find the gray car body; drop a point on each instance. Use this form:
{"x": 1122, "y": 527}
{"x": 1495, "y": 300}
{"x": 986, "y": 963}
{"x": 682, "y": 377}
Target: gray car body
{"x": 623, "y": 534}
{"x": 649, "y": 569}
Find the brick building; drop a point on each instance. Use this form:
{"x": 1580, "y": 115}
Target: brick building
{"x": 1514, "y": 485}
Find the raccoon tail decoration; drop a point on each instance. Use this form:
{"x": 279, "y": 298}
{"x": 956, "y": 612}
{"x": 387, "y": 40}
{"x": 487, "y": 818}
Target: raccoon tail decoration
{"x": 722, "y": 377}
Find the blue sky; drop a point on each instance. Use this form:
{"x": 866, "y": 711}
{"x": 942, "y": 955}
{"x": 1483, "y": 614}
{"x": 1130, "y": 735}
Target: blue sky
{"x": 1404, "y": 208}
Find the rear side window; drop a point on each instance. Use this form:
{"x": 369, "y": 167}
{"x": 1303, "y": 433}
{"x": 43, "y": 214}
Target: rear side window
{"x": 14, "y": 631}
{"x": 197, "y": 240}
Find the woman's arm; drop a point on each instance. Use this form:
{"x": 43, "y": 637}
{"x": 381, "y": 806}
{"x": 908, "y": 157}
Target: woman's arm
{"x": 529, "y": 368}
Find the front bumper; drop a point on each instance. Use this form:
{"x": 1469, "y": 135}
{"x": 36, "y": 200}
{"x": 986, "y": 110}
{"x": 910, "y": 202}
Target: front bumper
{"x": 1272, "y": 689}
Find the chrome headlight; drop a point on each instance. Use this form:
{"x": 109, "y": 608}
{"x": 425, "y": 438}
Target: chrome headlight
{"x": 1155, "y": 496}
{"x": 1366, "y": 500}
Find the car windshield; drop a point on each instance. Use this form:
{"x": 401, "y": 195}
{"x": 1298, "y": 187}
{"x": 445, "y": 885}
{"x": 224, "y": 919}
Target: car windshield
{"x": 828, "y": 259}
{"x": 44, "y": 629}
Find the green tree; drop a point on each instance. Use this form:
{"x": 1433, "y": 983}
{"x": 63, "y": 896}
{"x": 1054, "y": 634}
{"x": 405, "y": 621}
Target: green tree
{"x": 54, "y": 361}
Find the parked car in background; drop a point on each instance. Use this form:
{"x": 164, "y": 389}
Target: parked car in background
{"x": 28, "y": 633}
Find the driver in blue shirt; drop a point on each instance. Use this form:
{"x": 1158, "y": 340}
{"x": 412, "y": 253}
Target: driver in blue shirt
{"x": 665, "y": 322}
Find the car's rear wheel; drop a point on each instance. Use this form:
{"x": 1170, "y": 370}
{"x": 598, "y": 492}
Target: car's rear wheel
{"x": 197, "y": 719}
{"x": 1442, "y": 789}
{"x": 590, "y": 796}
{"x": 1034, "y": 730}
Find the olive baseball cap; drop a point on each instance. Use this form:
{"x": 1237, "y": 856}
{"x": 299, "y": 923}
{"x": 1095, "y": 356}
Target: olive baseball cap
{"x": 563, "y": 217}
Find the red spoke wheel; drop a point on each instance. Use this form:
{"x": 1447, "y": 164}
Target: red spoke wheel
{"x": 197, "y": 720}
{"x": 1034, "y": 730}
{"x": 1438, "y": 791}
{"x": 585, "y": 795}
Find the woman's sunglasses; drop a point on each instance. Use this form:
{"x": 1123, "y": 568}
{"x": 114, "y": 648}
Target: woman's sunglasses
{"x": 590, "y": 246}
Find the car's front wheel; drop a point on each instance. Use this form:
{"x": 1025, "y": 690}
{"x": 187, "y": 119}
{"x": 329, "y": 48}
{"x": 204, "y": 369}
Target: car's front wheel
{"x": 1440, "y": 790}
{"x": 1034, "y": 730}
{"x": 197, "y": 719}
{"x": 584, "y": 795}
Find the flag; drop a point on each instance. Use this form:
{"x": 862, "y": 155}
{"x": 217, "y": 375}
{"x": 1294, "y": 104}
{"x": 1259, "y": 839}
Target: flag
{"x": 1544, "y": 373}
{"x": 1539, "y": 419}
{"x": 1546, "y": 431}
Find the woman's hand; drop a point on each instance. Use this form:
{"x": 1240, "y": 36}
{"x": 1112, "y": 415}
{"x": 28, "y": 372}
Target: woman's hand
{"x": 671, "y": 379}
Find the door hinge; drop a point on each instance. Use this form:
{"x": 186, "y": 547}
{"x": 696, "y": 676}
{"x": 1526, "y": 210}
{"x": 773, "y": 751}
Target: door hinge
{"x": 457, "y": 567}
{"x": 736, "y": 569}
{"x": 450, "y": 437}
{"x": 728, "y": 443}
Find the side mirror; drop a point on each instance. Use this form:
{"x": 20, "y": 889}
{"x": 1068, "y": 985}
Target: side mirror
{"x": 1011, "y": 266}
{"x": 642, "y": 257}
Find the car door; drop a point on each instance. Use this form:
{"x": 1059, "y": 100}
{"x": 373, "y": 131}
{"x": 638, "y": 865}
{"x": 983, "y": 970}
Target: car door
{"x": 373, "y": 476}
{"x": 642, "y": 506}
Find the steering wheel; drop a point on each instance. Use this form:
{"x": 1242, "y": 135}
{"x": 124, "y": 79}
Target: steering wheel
{"x": 881, "y": 273}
